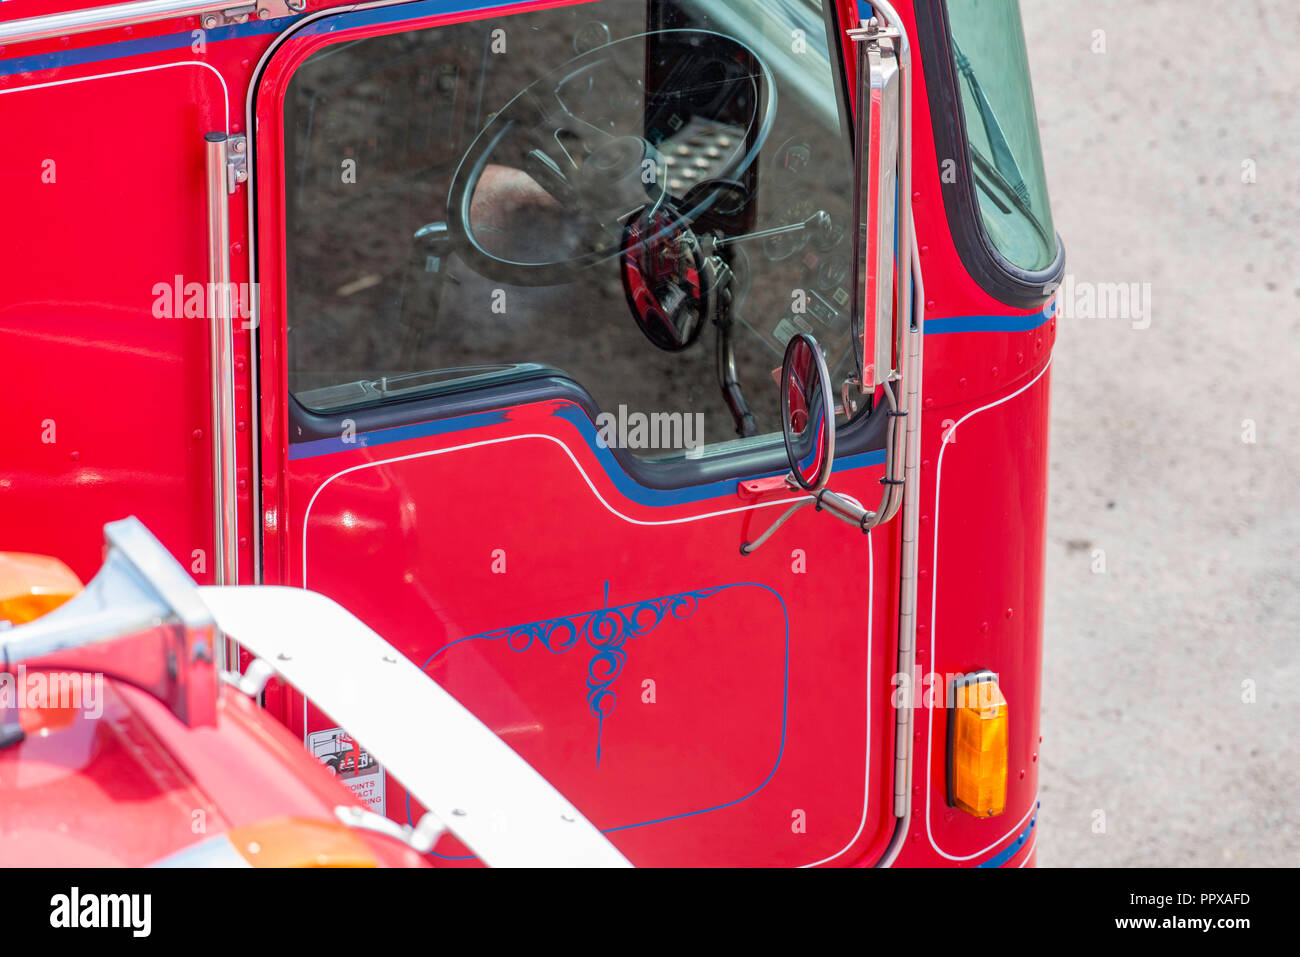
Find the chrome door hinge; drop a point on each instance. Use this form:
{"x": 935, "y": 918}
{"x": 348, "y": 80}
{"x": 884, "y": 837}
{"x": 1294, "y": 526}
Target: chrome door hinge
{"x": 237, "y": 160}
{"x": 257, "y": 10}
{"x": 873, "y": 31}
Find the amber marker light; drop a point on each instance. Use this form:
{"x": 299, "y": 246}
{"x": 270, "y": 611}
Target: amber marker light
{"x": 977, "y": 745}
{"x": 32, "y": 585}
{"x": 300, "y": 842}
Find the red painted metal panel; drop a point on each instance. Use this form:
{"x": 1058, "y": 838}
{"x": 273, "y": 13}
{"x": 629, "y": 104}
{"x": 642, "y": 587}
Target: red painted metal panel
{"x": 403, "y": 534}
{"x": 760, "y": 713}
{"x": 127, "y": 391}
{"x": 981, "y": 604}
{"x": 106, "y": 385}
{"x": 126, "y": 784}
{"x": 989, "y": 554}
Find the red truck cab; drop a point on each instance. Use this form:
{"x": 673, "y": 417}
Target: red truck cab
{"x": 527, "y": 333}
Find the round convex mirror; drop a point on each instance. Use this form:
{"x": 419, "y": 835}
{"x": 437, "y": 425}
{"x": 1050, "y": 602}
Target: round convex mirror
{"x": 807, "y": 412}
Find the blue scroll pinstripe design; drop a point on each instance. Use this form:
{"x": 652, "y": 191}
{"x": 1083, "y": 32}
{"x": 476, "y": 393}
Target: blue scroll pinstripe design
{"x": 609, "y": 628}
{"x": 605, "y": 630}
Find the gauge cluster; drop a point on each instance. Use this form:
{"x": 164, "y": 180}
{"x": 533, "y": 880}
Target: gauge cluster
{"x": 812, "y": 265}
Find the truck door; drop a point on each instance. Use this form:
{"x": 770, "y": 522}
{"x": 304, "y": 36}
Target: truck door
{"x": 525, "y": 275}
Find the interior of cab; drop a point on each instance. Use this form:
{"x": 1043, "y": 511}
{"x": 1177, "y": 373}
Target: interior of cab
{"x": 648, "y": 198}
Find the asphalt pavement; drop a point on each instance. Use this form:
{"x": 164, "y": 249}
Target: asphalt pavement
{"x": 1171, "y": 709}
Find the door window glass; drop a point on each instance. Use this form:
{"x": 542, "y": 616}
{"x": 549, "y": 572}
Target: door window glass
{"x": 649, "y": 198}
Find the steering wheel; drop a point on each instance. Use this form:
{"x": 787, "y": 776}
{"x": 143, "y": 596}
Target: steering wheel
{"x": 585, "y": 134}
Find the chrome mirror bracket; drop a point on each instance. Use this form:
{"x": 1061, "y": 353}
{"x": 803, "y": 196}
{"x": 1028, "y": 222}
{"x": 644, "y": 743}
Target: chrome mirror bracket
{"x": 140, "y": 620}
{"x": 881, "y": 312}
{"x": 876, "y": 188}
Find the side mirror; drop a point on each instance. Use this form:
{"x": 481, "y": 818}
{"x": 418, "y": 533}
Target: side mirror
{"x": 807, "y": 413}
{"x": 883, "y": 278}
{"x": 808, "y": 426}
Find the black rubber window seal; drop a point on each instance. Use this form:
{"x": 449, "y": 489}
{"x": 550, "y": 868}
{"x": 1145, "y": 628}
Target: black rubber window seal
{"x": 1000, "y": 278}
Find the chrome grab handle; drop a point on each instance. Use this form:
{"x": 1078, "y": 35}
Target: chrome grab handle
{"x": 222, "y": 392}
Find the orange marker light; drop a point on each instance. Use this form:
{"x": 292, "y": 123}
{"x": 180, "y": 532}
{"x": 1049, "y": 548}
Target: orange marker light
{"x": 31, "y": 585}
{"x": 977, "y": 745}
{"x": 300, "y": 842}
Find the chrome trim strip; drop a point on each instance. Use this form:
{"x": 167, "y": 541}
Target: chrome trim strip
{"x": 911, "y": 516}
{"x": 908, "y": 341}
{"x": 908, "y": 563}
{"x": 221, "y": 359}
{"x": 103, "y": 18}
{"x": 903, "y": 257}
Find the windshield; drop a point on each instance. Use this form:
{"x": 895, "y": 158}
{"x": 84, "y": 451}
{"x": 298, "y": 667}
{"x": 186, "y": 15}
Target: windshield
{"x": 988, "y": 46}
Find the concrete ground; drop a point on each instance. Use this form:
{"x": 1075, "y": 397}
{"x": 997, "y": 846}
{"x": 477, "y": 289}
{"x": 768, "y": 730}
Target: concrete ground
{"x": 1172, "y": 688}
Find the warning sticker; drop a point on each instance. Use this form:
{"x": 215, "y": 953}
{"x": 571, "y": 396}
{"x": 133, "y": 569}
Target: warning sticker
{"x": 358, "y": 769}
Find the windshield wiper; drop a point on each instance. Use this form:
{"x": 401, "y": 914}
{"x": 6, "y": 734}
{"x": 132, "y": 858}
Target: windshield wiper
{"x": 1004, "y": 160}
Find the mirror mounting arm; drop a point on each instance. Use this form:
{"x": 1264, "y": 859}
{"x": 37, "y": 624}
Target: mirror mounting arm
{"x": 832, "y": 503}
{"x": 845, "y": 509}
